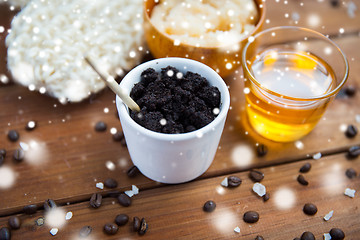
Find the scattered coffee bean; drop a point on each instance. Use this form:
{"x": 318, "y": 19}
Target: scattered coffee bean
{"x": 3, "y": 152}
{"x": 261, "y": 150}
{"x": 251, "y": 217}
{"x": 49, "y": 204}
{"x": 258, "y": 237}
{"x": 121, "y": 219}
{"x": 85, "y": 231}
{"x": 31, "y": 125}
{"x": 143, "y": 227}
{"x": 351, "y": 131}
{"x": 305, "y": 168}
{"x": 1, "y": 160}
{"x": 14, "y": 222}
{"x": 353, "y": 152}
{"x": 337, "y": 234}
{"x": 301, "y": 179}
{"x": 30, "y": 209}
{"x": 96, "y": 200}
{"x": 124, "y": 200}
{"x": 132, "y": 171}
{"x": 350, "y": 90}
{"x": 307, "y": 236}
{"x": 19, "y": 155}
{"x": 136, "y": 224}
{"x": 114, "y": 194}
{"x": 310, "y": 209}
{"x": 209, "y": 206}
{"x": 334, "y": 3}
{"x": 266, "y": 197}
{"x": 100, "y": 126}
{"x": 110, "y": 228}
{"x": 118, "y": 136}
{"x": 13, "y": 135}
{"x": 5, "y": 233}
{"x": 351, "y": 173}
{"x": 256, "y": 176}
{"x": 110, "y": 183}
{"x": 234, "y": 181}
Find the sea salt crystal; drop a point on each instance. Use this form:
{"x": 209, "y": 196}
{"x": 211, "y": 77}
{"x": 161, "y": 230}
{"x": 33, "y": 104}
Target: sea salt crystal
{"x": 68, "y": 215}
{"x": 317, "y": 156}
{"x": 329, "y": 215}
{"x": 224, "y": 182}
{"x": 327, "y": 236}
{"x": 237, "y": 230}
{"x": 54, "y": 231}
{"x": 135, "y": 189}
{"x": 130, "y": 193}
{"x": 351, "y": 9}
{"x": 357, "y": 118}
{"x": 100, "y": 185}
{"x": 350, "y": 192}
{"x": 259, "y": 189}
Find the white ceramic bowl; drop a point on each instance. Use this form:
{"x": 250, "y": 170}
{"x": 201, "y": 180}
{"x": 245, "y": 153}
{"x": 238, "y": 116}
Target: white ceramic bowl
{"x": 173, "y": 158}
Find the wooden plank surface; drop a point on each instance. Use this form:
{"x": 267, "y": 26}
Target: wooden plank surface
{"x": 73, "y": 156}
{"x": 175, "y": 211}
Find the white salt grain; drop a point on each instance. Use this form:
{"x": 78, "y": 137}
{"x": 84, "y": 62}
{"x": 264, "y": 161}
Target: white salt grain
{"x": 259, "y": 189}
{"x": 54, "y": 231}
{"x": 329, "y": 215}
{"x": 130, "y": 193}
{"x": 135, "y": 189}
{"x": 100, "y": 185}
{"x": 350, "y": 192}
{"x": 327, "y": 236}
{"x": 68, "y": 215}
{"x": 317, "y": 156}
{"x": 357, "y": 118}
{"x": 224, "y": 182}
{"x": 237, "y": 230}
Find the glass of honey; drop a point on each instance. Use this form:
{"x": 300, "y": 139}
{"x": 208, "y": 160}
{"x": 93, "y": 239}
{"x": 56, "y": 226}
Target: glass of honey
{"x": 291, "y": 75}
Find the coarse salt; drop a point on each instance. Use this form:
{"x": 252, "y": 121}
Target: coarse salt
{"x": 68, "y": 215}
{"x": 237, "y": 230}
{"x": 350, "y": 192}
{"x": 130, "y": 193}
{"x": 329, "y": 215}
{"x": 224, "y": 182}
{"x": 54, "y": 231}
{"x": 259, "y": 189}
{"x": 327, "y": 236}
{"x": 135, "y": 189}
{"x": 317, "y": 156}
{"x": 100, "y": 185}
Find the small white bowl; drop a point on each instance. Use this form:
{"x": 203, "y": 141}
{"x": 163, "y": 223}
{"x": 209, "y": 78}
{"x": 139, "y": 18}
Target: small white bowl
{"x": 173, "y": 158}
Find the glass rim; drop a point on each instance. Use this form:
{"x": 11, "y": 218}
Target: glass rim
{"x": 323, "y": 96}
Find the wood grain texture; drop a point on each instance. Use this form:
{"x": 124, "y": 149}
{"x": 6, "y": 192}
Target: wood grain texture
{"x": 175, "y": 212}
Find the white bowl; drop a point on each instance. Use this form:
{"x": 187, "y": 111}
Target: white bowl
{"x": 173, "y": 158}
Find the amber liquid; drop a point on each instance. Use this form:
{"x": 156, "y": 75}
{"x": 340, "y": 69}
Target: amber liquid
{"x": 287, "y": 74}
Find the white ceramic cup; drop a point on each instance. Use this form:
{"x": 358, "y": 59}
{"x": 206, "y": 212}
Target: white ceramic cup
{"x": 173, "y": 158}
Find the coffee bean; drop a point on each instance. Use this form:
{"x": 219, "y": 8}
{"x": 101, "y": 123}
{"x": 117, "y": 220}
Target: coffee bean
{"x": 337, "y": 234}
{"x": 110, "y": 228}
{"x": 350, "y": 90}
{"x": 31, "y": 125}
{"x": 209, "y": 206}
{"x": 124, "y": 200}
{"x": 110, "y": 183}
{"x": 266, "y": 197}
{"x": 49, "y": 204}
{"x": 136, "y": 224}
{"x": 132, "y": 171}
{"x": 118, "y": 136}
{"x": 351, "y": 173}
{"x": 251, "y": 217}
{"x": 96, "y": 200}
{"x": 5, "y": 233}
{"x": 234, "y": 181}
{"x": 19, "y": 155}
{"x": 334, "y": 3}
{"x": 301, "y": 179}
{"x": 258, "y": 237}
{"x": 121, "y": 219}
{"x": 100, "y": 126}
{"x": 256, "y": 176}
{"x": 353, "y": 152}
{"x": 1, "y": 160}
{"x": 261, "y": 150}
{"x": 85, "y": 231}
{"x": 143, "y": 227}
{"x": 351, "y": 131}
{"x": 114, "y": 194}
{"x": 14, "y": 222}
{"x": 305, "y": 168}
{"x": 30, "y": 209}
{"x": 307, "y": 236}
{"x": 310, "y": 209}
{"x": 13, "y": 135}
{"x": 3, "y": 152}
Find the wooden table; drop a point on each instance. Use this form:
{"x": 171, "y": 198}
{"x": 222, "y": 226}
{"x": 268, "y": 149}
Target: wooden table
{"x": 71, "y": 157}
